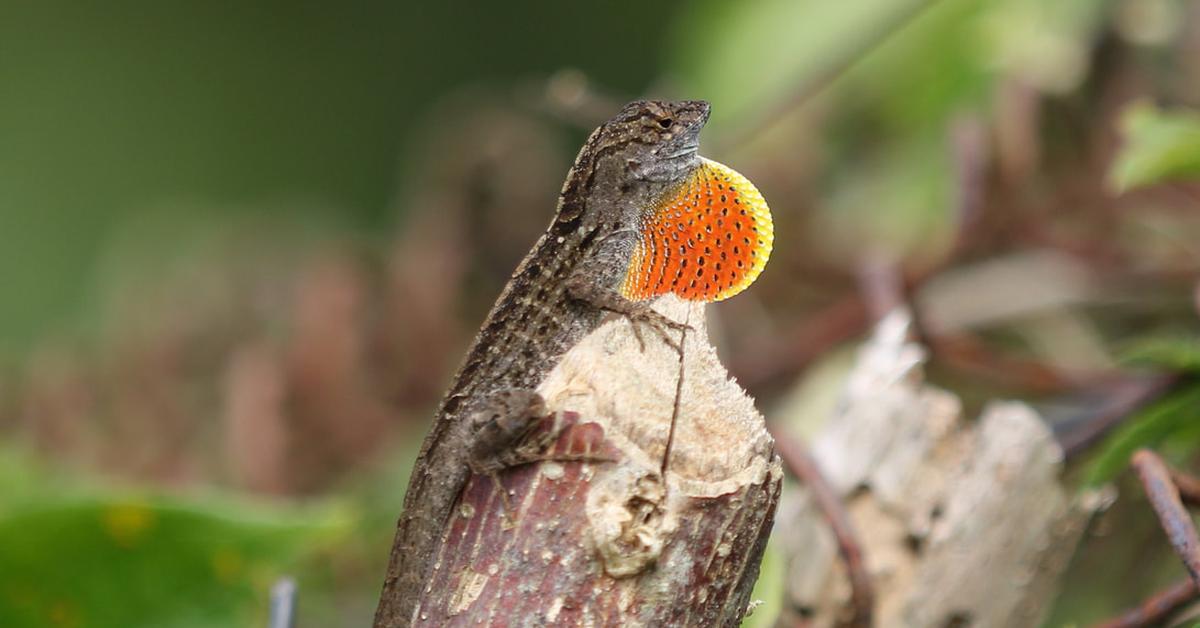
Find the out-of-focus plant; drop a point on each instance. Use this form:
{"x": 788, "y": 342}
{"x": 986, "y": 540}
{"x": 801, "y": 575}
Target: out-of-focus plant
{"x": 1160, "y": 146}
{"x": 1170, "y": 424}
{"x": 845, "y": 114}
{"x": 80, "y": 556}
{"x": 848, "y": 115}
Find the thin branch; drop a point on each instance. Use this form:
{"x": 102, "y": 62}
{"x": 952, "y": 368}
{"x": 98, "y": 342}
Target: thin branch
{"x": 881, "y": 282}
{"x": 1156, "y": 608}
{"x": 1175, "y": 519}
{"x": 678, "y": 399}
{"x": 967, "y": 353}
{"x": 834, "y": 324}
{"x": 969, "y": 148}
{"x": 798, "y": 460}
{"x": 1189, "y": 487}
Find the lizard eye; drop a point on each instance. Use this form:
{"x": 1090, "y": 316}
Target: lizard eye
{"x": 665, "y": 123}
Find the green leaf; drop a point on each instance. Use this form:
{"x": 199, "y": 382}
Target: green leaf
{"x": 93, "y": 558}
{"x": 1179, "y": 353}
{"x": 914, "y": 222}
{"x": 1046, "y": 45}
{"x": 1158, "y": 146}
{"x": 1175, "y": 415}
{"x": 913, "y": 63}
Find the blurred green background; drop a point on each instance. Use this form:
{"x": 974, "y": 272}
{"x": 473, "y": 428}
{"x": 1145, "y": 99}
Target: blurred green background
{"x": 297, "y": 109}
{"x": 243, "y": 245}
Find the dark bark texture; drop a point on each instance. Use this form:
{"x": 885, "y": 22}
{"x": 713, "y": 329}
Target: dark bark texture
{"x": 603, "y": 532}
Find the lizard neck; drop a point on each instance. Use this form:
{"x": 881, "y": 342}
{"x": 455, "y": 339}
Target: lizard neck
{"x": 604, "y": 201}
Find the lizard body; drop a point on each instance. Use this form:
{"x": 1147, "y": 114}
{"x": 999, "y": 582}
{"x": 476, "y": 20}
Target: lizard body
{"x": 596, "y": 257}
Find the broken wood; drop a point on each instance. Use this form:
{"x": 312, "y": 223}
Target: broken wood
{"x": 598, "y": 534}
{"x": 961, "y": 523}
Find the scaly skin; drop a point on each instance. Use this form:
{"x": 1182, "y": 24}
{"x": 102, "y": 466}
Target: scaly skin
{"x": 630, "y": 168}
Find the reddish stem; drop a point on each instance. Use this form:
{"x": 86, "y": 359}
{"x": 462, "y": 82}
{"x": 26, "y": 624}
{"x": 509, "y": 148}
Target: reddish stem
{"x": 801, "y": 463}
{"x": 1156, "y": 608}
{"x": 1189, "y": 487}
{"x": 1175, "y": 520}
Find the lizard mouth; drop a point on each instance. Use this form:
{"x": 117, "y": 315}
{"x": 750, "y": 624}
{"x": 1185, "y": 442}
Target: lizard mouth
{"x": 686, "y": 150}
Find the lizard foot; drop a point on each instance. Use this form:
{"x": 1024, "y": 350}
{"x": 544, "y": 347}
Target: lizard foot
{"x": 638, "y": 313}
{"x": 501, "y": 429}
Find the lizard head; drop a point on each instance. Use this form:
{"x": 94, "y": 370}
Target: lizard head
{"x": 659, "y": 139}
{"x": 699, "y": 229}
{"x": 704, "y": 231}
{"x": 632, "y": 160}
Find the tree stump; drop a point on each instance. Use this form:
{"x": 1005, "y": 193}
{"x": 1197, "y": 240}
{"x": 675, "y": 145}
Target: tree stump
{"x": 625, "y": 524}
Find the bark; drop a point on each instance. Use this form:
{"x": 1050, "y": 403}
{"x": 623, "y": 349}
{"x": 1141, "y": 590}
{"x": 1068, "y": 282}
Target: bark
{"x": 962, "y": 523}
{"x": 618, "y": 542}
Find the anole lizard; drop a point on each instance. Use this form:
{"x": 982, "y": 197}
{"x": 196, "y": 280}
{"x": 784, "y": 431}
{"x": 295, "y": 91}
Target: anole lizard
{"x": 641, "y": 214}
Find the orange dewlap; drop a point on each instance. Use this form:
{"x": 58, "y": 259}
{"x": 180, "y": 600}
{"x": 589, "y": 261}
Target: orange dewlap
{"x": 707, "y": 241}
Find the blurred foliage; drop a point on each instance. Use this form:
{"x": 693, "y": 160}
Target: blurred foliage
{"x": 280, "y": 228}
{"x": 1176, "y": 352}
{"x": 772, "y": 46}
{"x": 75, "y": 556}
{"x": 264, "y": 107}
{"x": 1159, "y": 146}
{"x": 892, "y": 134}
{"x": 1168, "y": 425}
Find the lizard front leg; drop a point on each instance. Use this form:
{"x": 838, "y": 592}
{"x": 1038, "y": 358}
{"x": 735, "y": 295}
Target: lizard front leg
{"x": 504, "y": 435}
{"x": 583, "y": 288}
{"x": 501, "y": 427}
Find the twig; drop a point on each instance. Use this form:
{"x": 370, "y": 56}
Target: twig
{"x": 836, "y": 323}
{"x": 1189, "y": 487}
{"x": 967, "y": 353}
{"x": 881, "y": 281}
{"x": 1156, "y": 608}
{"x": 1175, "y": 520}
{"x": 678, "y": 399}
{"x": 283, "y": 604}
{"x": 798, "y": 460}
{"x": 969, "y": 148}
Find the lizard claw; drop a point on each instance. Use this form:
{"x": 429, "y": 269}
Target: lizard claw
{"x": 640, "y": 314}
